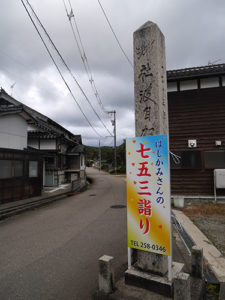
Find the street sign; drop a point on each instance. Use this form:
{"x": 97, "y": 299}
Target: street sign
{"x": 148, "y": 194}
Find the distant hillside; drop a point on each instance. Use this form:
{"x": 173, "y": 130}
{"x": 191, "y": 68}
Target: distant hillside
{"x": 107, "y": 155}
{"x": 92, "y": 153}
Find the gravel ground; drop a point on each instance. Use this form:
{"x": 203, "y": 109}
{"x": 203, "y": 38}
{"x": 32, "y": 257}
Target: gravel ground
{"x": 210, "y": 219}
{"x": 214, "y": 228}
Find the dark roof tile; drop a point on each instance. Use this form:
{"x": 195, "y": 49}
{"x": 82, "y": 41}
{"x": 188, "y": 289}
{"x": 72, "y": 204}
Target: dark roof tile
{"x": 196, "y": 72}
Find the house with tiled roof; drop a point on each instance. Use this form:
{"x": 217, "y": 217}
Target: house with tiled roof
{"x": 35, "y": 151}
{"x": 196, "y": 104}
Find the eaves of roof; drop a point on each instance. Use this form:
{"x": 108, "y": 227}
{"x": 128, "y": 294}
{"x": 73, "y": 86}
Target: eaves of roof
{"x": 10, "y": 110}
{"x": 77, "y": 149}
{"x": 42, "y": 122}
{"x": 194, "y": 72}
{"x": 41, "y": 134}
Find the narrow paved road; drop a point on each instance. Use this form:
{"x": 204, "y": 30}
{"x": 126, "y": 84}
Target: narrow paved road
{"x": 52, "y": 252}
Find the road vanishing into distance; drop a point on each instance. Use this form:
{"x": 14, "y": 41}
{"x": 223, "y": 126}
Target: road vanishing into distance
{"x": 52, "y": 252}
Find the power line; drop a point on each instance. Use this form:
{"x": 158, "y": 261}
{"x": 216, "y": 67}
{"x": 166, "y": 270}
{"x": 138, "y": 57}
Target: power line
{"x": 107, "y": 19}
{"x": 65, "y": 64}
{"x": 15, "y": 60}
{"x": 52, "y": 58}
{"x": 80, "y": 46}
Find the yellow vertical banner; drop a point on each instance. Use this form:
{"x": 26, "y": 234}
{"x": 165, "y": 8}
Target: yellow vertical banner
{"x": 148, "y": 194}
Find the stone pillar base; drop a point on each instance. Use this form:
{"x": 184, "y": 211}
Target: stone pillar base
{"x": 151, "y": 262}
{"x": 151, "y": 282}
{"x": 106, "y": 274}
{"x": 182, "y": 287}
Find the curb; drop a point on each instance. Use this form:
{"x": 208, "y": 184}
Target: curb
{"x": 18, "y": 209}
{"x": 211, "y": 254}
{"x": 30, "y": 205}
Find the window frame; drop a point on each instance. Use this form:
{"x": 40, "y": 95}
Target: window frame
{"x": 13, "y": 168}
{"x": 181, "y": 167}
{"x": 37, "y": 170}
{"x": 213, "y": 167}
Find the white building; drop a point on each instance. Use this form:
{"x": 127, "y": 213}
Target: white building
{"x": 25, "y": 130}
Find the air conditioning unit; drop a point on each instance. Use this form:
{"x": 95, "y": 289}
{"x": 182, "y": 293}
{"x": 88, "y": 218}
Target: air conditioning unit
{"x": 219, "y": 180}
{"x": 218, "y": 143}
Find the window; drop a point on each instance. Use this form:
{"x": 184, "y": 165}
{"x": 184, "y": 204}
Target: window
{"x": 6, "y": 169}
{"x": 50, "y": 163}
{"x": 187, "y": 160}
{"x": 11, "y": 168}
{"x": 214, "y": 159}
{"x": 18, "y": 168}
{"x": 33, "y": 168}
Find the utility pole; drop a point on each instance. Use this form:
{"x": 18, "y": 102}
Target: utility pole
{"x": 100, "y": 158}
{"x": 114, "y": 124}
{"x": 115, "y": 160}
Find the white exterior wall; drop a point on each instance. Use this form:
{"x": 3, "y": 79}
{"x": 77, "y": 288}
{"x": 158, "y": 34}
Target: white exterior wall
{"x": 172, "y": 86}
{"x": 63, "y": 148}
{"x": 13, "y": 132}
{"x": 44, "y": 144}
{"x": 209, "y": 82}
{"x": 47, "y": 144}
{"x": 32, "y": 128}
{"x": 188, "y": 85}
{"x": 60, "y": 178}
{"x": 82, "y": 162}
{"x": 33, "y": 143}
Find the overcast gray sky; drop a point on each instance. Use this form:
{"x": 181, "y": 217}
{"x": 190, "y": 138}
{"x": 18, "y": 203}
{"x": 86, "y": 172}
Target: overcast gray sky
{"x": 194, "y": 33}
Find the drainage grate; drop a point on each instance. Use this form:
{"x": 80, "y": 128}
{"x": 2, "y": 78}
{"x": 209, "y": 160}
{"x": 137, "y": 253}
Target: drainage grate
{"x": 92, "y": 195}
{"x": 118, "y": 206}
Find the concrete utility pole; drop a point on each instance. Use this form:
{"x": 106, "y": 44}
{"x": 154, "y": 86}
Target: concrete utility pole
{"x": 100, "y": 158}
{"x": 115, "y": 160}
{"x": 114, "y": 124}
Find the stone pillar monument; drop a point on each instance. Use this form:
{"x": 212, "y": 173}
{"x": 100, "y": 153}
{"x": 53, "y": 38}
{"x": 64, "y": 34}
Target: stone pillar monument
{"x": 147, "y": 269}
{"x": 151, "y": 111}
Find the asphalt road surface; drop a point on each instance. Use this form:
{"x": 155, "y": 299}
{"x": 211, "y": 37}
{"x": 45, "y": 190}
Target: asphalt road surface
{"x": 52, "y": 252}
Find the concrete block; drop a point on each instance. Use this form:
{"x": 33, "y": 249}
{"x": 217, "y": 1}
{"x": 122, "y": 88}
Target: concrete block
{"x": 197, "y": 262}
{"x": 211, "y": 254}
{"x": 152, "y": 282}
{"x": 152, "y": 262}
{"x": 106, "y": 274}
{"x": 182, "y": 287}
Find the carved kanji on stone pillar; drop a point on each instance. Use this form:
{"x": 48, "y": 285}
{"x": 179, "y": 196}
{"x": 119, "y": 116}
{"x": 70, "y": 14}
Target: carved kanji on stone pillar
{"x": 151, "y": 112}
